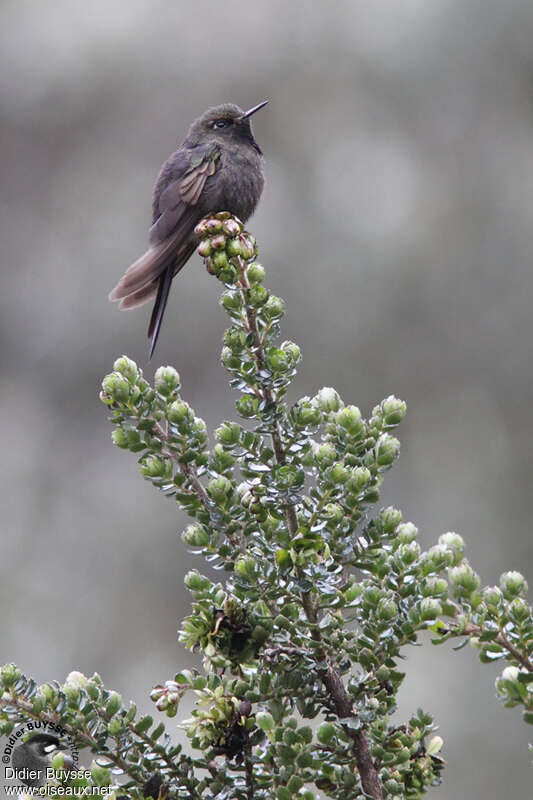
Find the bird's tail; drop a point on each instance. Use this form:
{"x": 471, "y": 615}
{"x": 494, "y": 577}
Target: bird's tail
{"x": 139, "y": 282}
{"x": 163, "y": 289}
{"x": 152, "y": 273}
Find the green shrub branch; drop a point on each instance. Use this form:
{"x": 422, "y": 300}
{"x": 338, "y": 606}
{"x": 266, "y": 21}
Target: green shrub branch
{"x": 321, "y": 593}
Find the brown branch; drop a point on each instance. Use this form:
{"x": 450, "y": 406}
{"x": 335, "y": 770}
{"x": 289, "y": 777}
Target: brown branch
{"x": 188, "y": 470}
{"x": 520, "y": 657}
{"x": 501, "y": 639}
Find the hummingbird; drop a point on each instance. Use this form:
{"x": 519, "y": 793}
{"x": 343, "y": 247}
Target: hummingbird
{"x": 219, "y": 167}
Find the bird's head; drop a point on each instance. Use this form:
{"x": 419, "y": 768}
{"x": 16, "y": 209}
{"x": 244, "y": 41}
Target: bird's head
{"x": 36, "y": 754}
{"x": 225, "y": 123}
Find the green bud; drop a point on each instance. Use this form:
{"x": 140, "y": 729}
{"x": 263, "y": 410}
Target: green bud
{"x": 115, "y": 726}
{"x": 199, "y": 429}
{"x": 196, "y": 582}
{"x": 407, "y": 532}
{"x": 292, "y": 350}
{"x": 437, "y": 558}
{"x": 265, "y": 721}
{"x": 492, "y": 597}
{"x": 58, "y": 762}
{"x": 287, "y": 476}
{"x": 359, "y": 479}
{"x": 195, "y": 535}
{"x": 166, "y": 381}
{"x": 274, "y": 308}
{"x": 325, "y": 455}
{"x": 350, "y": 419}
{"x": 383, "y": 673}
{"x": 126, "y": 367}
{"x": 229, "y": 359}
{"x": 227, "y": 275}
{"x": 434, "y": 745}
{"x": 235, "y": 339}
{"x": 328, "y": 400}
{"x": 93, "y": 689}
{"x": 463, "y": 578}
{"x": 508, "y": 685}
{"x": 48, "y": 691}
{"x": 234, "y": 247}
{"x": 387, "y": 450}
{"x": 74, "y": 678}
{"x": 352, "y": 592}
{"x": 38, "y": 704}
{"x": 221, "y": 460}
{"x": 277, "y": 360}
{"x": 248, "y": 246}
{"x": 325, "y": 733}
{"x": 283, "y": 560}
{"x": 294, "y": 784}
{"x": 116, "y": 388}
{"x": 219, "y": 489}
{"x": 409, "y": 553}
{"x": 393, "y": 410}
{"x": 154, "y": 467}
{"x": 519, "y": 610}
{"x": 179, "y": 412}
{"x": 372, "y": 596}
{"x": 455, "y": 543}
{"x": 248, "y": 405}
{"x": 120, "y": 438}
{"x": 434, "y": 587}
{"x": 100, "y": 775}
{"x": 403, "y": 755}
{"x": 246, "y": 567}
{"x": 305, "y": 413}
{"x": 231, "y": 300}
{"x": 113, "y": 704}
{"x": 390, "y": 519}
{"x": 257, "y": 295}
{"x": 334, "y": 512}
{"x": 513, "y": 584}
{"x": 338, "y": 473}
{"x": 219, "y": 261}
{"x": 255, "y": 273}
{"x": 72, "y": 695}
{"x": 387, "y": 609}
{"x": 430, "y": 609}
{"x": 228, "y": 434}
{"x": 371, "y": 495}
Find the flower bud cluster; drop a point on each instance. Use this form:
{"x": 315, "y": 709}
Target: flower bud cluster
{"x": 222, "y": 242}
{"x": 158, "y": 424}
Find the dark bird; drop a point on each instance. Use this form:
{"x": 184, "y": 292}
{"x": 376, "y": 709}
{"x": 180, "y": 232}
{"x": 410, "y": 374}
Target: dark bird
{"x": 36, "y": 755}
{"x": 219, "y": 167}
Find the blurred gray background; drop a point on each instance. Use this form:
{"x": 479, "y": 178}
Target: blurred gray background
{"x": 397, "y": 223}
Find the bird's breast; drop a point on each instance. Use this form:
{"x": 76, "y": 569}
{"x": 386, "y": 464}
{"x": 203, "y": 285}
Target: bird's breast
{"x": 237, "y": 184}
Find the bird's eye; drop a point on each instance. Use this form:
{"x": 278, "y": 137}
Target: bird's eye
{"x": 221, "y": 123}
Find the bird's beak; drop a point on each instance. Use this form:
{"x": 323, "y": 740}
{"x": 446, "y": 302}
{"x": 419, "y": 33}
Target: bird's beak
{"x": 254, "y": 109}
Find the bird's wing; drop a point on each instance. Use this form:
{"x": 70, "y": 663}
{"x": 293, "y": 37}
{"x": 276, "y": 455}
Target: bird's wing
{"x": 174, "y": 218}
{"x": 176, "y": 194}
{"x": 178, "y": 190}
